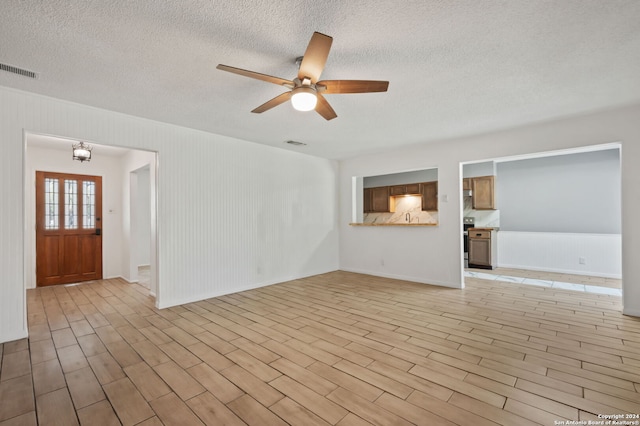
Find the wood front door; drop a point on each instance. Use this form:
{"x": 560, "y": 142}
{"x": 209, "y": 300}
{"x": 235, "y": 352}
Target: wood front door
{"x": 68, "y": 228}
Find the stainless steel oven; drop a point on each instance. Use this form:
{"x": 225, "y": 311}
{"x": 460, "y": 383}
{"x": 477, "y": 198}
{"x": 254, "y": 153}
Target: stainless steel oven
{"x": 467, "y": 222}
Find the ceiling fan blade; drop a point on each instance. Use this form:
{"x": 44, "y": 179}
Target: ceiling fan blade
{"x": 264, "y": 77}
{"x": 352, "y": 86}
{"x": 324, "y": 109}
{"x": 273, "y": 102}
{"x": 315, "y": 57}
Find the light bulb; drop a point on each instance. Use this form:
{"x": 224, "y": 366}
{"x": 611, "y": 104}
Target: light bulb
{"x": 304, "y": 98}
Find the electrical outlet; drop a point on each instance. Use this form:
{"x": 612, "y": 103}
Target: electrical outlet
{"x": 582, "y": 261}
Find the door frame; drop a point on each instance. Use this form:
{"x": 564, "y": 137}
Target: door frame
{"x": 28, "y": 206}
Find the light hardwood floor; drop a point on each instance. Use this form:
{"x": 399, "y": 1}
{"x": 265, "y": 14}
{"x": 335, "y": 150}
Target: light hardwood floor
{"x": 338, "y": 348}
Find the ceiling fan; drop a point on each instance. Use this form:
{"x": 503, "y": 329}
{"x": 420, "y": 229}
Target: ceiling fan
{"x": 306, "y": 91}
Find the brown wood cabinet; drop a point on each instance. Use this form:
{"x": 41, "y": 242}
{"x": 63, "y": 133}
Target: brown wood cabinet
{"x": 376, "y": 200}
{"x": 482, "y": 192}
{"x": 367, "y": 194}
{"x": 466, "y": 184}
{"x": 482, "y": 248}
{"x": 380, "y": 199}
{"x": 408, "y": 189}
{"x": 429, "y": 191}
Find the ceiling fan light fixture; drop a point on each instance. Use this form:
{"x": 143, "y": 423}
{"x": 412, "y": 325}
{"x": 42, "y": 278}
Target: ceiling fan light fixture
{"x": 304, "y": 98}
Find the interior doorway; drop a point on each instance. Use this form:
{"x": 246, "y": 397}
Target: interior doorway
{"x": 68, "y": 228}
{"x": 113, "y": 165}
{"x": 557, "y": 219}
{"x": 140, "y": 225}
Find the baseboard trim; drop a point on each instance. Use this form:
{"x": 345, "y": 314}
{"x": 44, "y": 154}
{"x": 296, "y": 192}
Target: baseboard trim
{"x": 209, "y": 295}
{"x": 404, "y": 278}
{"x": 123, "y": 278}
{"x": 214, "y": 294}
{"x": 561, "y": 271}
{"x": 10, "y": 337}
{"x": 631, "y": 312}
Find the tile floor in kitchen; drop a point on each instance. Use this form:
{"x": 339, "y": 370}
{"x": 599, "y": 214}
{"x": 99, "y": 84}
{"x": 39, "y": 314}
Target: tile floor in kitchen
{"x": 584, "y": 283}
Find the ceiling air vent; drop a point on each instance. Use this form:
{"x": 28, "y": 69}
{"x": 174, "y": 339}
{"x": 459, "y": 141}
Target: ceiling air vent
{"x": 296, "y": 143}
{"x": 19, "y": 71}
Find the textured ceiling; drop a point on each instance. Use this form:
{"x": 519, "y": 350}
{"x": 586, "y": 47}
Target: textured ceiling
{"x": 455, "y": 67}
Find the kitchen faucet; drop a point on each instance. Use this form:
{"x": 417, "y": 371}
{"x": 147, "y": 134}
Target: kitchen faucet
{"x": 407, "y": 217}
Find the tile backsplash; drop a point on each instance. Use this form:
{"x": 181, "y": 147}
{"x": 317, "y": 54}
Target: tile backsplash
{"x": 408, "y": 210}
{"x": 484, "y": 218}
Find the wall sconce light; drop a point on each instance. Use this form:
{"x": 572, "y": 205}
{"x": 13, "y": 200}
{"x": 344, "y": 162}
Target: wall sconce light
{"x": 82, "y": 152}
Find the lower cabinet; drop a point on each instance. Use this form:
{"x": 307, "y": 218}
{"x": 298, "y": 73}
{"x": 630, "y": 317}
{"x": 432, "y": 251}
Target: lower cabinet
{"x": 482, "y": 249}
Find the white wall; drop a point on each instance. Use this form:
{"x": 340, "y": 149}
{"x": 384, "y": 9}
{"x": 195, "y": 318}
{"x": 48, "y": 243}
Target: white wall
{"x": 401, "y": 178}
{"x": 51, "y": 160}
{"x": 561, "y": 252}
{"x": 142, "y": 212}
{"x": 487, "y": 168}
{"x": 576, "y": 193}
{"x": 434, "y": 255}
{"x": 283, "y": 226}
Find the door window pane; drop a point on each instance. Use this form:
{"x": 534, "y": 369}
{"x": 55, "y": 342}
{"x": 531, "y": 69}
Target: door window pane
{"x": 51, "y": 204}
{"x": 88, "y": 204}
{"x": 70, "y": 204}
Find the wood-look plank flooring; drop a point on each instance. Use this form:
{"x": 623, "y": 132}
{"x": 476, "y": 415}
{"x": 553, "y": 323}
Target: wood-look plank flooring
{"x": 333, "y": 349}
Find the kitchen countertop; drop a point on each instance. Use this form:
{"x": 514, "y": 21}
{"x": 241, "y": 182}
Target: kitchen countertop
{"x": 483, "y": 229}
{"x": 393, "y": 224}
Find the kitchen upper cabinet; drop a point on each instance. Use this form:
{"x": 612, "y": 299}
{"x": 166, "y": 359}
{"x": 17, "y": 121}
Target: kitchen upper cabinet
{"x": 466, "y": 184}
{"x": 379, "y": 199}
{"x": 367, "y": 199}
{"x": 429, "y": 191}
{"x": 482, "y": 193}
{"x": 408, "y": 189}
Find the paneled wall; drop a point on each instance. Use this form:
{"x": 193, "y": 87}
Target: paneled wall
{"x": 232, "y": 214}
{"x": 561, "y": 252}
